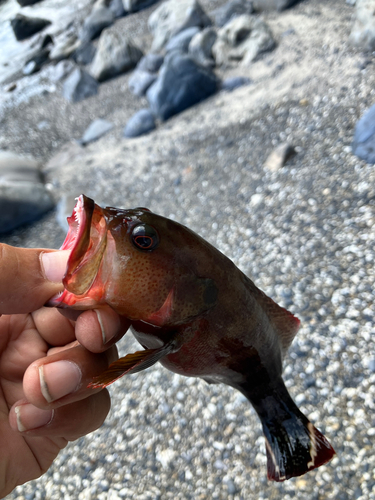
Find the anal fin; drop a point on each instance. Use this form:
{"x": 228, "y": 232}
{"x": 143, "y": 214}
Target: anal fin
{"x": 131, "y": 363}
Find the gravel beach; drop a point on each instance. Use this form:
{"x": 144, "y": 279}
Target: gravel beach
{"x": 303, "y": 233}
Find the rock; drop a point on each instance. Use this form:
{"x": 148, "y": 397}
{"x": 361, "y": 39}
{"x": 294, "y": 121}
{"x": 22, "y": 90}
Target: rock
{"x": 62, "y": 70}
{"x": 181, "y": 84}
{"x": 23, "y": 3}
{"x": 136, "y": 5}
{"x": 79, "y": 85}
{"x": 35, "y": 62}
{"x": 279, "y": 157}
{"x": 200, "y": 46}
{"x": 95, "y": 23}
{"x": 117, "y": 8}
{"x": 95, "y": 130}
{"x": 182, "y": 40}
{"x": 23, "y": 196}
{"x": 64, "y": 47}
{"x": 260, "y": 5}
{"x": 150, "y": 62}
{"x": 139, "y": 124}
{"x": 174, "y": 16}
{"x": 24, "y": 26}
{"x": 231, "y": 9}
{"x": 235, "y": 82}
{"x": 363, "y": 32}
{"x": 84, "y": 54}
{"x": 364, "y": 136}
{"x": 116, "y": 54}
{"x": 140, "y": 81}
{"x": 245, "y": 37}
{"x": 18, "y": 168}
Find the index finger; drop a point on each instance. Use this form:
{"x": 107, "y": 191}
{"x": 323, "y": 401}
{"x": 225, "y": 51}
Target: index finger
{"x": 24, "y": 283}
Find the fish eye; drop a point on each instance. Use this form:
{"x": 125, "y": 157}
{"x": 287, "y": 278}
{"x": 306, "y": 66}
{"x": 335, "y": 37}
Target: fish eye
{"x": 145, "y": 237}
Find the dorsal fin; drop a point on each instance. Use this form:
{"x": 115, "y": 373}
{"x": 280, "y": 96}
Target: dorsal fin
{"x": 285, "y": 323}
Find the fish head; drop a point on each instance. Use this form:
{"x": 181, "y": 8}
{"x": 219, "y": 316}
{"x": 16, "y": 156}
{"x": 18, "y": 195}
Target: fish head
{"x": 138, "y": 262}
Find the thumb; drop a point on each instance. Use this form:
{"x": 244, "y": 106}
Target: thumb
{"x": 29, "y": 277}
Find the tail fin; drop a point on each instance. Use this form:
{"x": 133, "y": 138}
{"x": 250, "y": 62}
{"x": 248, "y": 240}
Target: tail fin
{"x": 293, "y": 445}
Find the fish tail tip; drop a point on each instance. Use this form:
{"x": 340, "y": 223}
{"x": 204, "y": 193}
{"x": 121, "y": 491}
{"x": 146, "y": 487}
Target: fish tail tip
{"x": 301, "y": 453}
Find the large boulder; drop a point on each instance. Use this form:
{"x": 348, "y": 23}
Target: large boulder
{"x": 279, "y": 5}
{"x": 79, "y": 85}
{"x": 24, "y": 26}
{"x": 181, "y": 83}
{"x": 174, "y": 16}
{"x": 363, "y": 32}
{"x": 116, "y": 54}
{"x": 182, "y": 40}
{"x": 364, "y": 136}
{"x": 244, "y": 38}
{"x": 23, "y": 3}
{"x": 23, "y": 196}
{"x": 136, "y": 5}
{"x": 94, "y": 24}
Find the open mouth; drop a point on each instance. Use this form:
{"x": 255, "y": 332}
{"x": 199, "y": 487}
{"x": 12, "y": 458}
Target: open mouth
{"x": 87, "y": 240}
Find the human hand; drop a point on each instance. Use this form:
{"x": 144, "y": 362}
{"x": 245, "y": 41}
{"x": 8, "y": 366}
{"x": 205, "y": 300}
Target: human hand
{"x": 46, "y": 363}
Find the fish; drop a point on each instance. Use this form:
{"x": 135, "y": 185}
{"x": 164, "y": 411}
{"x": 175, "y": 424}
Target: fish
{"x": 195, "y": 312}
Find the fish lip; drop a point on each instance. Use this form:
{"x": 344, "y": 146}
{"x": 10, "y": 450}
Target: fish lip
{"x": 87, "y": 240}
{"x": 78, "y": 237}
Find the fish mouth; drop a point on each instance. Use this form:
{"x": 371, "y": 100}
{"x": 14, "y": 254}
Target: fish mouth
{"x": 87, "y": 240}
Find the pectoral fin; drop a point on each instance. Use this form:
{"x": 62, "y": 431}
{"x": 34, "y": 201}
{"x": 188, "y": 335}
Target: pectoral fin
{"x": 132, "y": 363}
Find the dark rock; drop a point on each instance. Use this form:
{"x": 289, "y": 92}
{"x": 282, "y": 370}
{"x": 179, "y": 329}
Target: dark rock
{"x": 150, "y": 62}
{"x": 364, "y": 136}
{"x": 136, "y": 5}
{"x": 95, "y": 130}
{"x": 362, "y": 35}
{"x": 235, "y": 82}
{"x": 116, "y": 54}
{"x": 79, "y": 85}
{"x": 140, "y": 81}
{"x": 24, "y": 27}
{"x": 172, "y": 17}
{"x": 95, "y": 23}
{"x": 260, "y": 5}
{"x": 200, "y": 46}
{"x": 231, "y": 9}
{"x": 23, "y": 196}
{"x": 139, "y": 124}
{"x": 117, "y": 8}
{"x": 182, "y": 40}
{"x": 39, "y": 58}
{"x": 244, "y": 38}
{"x": 84, "y": 54}
{"x": 181, "y": 84}
{"x": 46, "y": 40}
{"x": 23, "y": 3}
{"x": 21, "y": 203}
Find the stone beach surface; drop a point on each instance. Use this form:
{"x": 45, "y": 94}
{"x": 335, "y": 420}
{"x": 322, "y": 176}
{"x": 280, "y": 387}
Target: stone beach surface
{"x": 303, "y": 231}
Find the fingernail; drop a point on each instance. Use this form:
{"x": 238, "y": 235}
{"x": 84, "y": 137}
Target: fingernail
{"x": 106, "y": 336}
{"x": 59, "y": 379}
{"x": 54, "y": 264}
{"x": 29, "y": 417}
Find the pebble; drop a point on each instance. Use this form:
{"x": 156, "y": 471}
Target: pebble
{"x": 139, "y": 124}
{"x": 95, "y": 130}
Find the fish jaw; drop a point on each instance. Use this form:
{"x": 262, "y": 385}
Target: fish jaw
{"x": 87, "y": 241}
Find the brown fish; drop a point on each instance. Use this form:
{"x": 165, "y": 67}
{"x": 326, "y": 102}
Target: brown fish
{"x": 194, "y": 311}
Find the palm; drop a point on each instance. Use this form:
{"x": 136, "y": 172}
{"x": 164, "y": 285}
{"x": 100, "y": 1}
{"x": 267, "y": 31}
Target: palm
{"x": 23, "y": 457}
